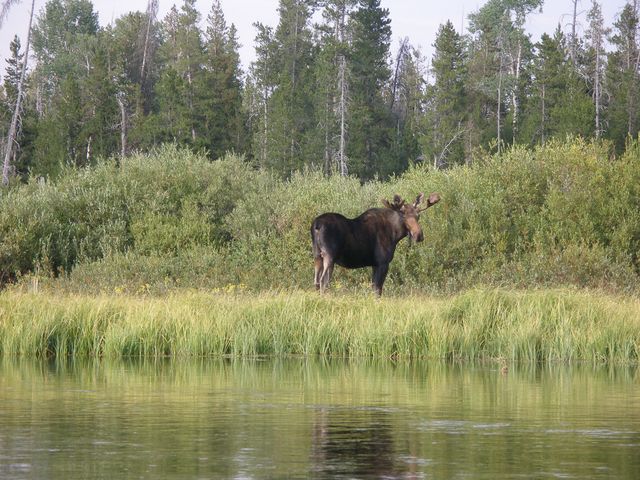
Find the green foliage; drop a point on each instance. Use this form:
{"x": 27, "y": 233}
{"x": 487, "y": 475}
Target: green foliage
{"x": 153, "y": 204}
{"x": 562, "y": 214}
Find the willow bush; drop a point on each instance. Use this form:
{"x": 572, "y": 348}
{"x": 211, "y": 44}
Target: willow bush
{"x": 567, "y": 213}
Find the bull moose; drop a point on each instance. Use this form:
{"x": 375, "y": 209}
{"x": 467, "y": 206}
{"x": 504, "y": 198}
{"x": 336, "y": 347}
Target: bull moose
{"x": 366, "y": 241}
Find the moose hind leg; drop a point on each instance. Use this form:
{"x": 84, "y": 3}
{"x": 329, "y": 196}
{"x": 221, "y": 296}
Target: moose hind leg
{"x": 318, "y": 268}
{"x": 327, "y": 270}
{"x": 379, "y": 276}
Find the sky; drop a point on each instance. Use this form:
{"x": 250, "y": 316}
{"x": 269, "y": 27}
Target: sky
{"x": 417, "y": 19}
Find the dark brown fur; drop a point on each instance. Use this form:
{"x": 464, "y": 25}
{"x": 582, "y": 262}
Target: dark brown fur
{"x": 366, "y": 241}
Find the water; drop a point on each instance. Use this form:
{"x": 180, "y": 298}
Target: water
{"x": 297, "y": 418}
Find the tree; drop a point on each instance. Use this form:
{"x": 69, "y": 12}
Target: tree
{"x": 59, "y": 39}
{"x": 370, "y": 120}
{"x": 623, "y": 77}
{"x": 407, "y": 94}
{"x": 259, "y": 89}
{"x": 498, "y": 49}
{"x": 13, "y": 127}
{"x": 331, "y": 91}
{"x": 291, "y": 103}
{"x": 447, "y": 116}
{"x": 222, "y": 91}
{"x": 595, "y": 36}
{"x": 178, "y": 87}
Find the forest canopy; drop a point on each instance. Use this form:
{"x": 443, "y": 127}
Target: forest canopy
{"x": 325, "y": 89}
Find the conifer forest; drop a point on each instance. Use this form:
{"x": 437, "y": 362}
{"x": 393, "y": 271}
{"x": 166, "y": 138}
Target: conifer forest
{"x": 325, "y": 90}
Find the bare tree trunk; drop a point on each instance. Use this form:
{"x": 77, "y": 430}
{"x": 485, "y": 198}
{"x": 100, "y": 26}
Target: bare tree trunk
{"x": 13, "y": 128}
{"x": 123, "y": 124}
{"x": 597, "y": 94}
{"x": 89, "y": 140}
{"x": 498, "y": 108}
{"x": 343, "y": 115}
{"x": 265, "y": 126}
{"x": 514, "y": 96}
{"x": 401, "y": 52}
{"x": 573, "y": 41}
{"x": 544, "y": 113}
{"x": 152, "y": 11}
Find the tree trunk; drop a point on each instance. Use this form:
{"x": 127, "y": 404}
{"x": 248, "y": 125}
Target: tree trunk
{"x": 343, "y": 115}
{"x": 13, "y": 128}
{"x": 514, "y": 96}
{"x": 123, "y": 124}
{"x": 573, "y": 45}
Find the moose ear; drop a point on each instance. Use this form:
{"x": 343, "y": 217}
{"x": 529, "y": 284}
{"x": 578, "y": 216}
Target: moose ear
{"x": 419, "y": 199}
{"x": 386, "y": 203}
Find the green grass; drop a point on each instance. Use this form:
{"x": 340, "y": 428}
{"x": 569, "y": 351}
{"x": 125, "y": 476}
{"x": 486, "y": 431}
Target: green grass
{"x": 523, "y": 326}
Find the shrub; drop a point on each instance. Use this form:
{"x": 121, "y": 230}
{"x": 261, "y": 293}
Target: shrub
{"x": 560, "y": 214}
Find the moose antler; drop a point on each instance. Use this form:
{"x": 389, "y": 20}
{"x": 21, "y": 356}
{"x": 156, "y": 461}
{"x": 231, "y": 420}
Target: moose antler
{"x": 432, "y": 200}
{"x": 397, "y": 204}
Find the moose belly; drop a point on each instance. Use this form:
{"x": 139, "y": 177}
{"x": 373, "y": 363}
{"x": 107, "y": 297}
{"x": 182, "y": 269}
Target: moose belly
{"x": 357, "y": 260}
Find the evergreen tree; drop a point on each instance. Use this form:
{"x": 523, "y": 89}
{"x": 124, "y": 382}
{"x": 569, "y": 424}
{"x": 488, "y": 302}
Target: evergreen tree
{"x": 259, "y": 89}
{"x": 595, "y": 36}
{"x": 571, "y": 109}
{"x": 623, "y": 78}
{"x": 332, "y": 78}
{"x": 100, "y": 114}
{"x": 443, "y": 142}
{"x": 370, "y": 120}
{"x": 407, "y": 95}
{"x": 291, "y": 104}
{"x": 178, "y": 88}
{"x": 223, "y": 115}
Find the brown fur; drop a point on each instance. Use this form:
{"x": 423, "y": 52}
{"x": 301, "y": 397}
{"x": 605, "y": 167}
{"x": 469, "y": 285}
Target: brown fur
{"x": 366, "y": 241}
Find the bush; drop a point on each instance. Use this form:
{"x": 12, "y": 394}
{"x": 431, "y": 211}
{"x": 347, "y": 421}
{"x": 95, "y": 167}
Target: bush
{"x": 561, "y": 214}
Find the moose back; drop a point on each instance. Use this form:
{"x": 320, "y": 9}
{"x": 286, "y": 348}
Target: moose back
{"x": 366, "y": 241}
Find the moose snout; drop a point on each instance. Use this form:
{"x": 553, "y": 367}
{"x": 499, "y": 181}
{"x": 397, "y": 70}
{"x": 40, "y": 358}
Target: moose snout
{"x": 416, "y": 237}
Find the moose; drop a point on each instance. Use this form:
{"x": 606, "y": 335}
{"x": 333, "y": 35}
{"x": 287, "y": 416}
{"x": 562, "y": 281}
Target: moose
{"x": 366, "y": 241}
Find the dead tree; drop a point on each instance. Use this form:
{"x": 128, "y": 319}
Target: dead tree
{"x": 13, "y": 128}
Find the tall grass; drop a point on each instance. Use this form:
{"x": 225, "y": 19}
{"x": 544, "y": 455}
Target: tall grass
{"x": 534, "y": 326}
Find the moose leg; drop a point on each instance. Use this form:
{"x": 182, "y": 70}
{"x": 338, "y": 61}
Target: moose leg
{"x": 327, "y": 270}
{"x": 318, "y": 270}
{"x": 379, "y": 276}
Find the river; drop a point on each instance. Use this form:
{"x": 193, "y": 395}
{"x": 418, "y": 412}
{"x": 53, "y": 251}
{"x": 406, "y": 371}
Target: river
{"x": 269, "y": 418}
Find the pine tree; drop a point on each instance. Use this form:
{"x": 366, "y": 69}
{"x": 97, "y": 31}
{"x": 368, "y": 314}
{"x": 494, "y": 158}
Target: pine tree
{"x": 260, "y": 86}
{"x": 623, "y": 78}
{"x": 178, "y": 87}
{"x": 370, "y": 119}
{"x": 332, "y": 78}
{"x": 443, "y": 142}
{"x": 222, "y": 102}
{"x": 291, "y": 104}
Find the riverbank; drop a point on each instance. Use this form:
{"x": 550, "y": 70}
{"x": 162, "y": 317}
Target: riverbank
{"x": 554, "y": 325}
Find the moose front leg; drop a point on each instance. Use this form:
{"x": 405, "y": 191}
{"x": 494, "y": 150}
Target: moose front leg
{"x": 379, "y": 276}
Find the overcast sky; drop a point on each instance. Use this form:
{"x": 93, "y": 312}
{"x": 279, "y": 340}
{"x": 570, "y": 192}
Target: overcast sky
{"x": 416, "y": 19}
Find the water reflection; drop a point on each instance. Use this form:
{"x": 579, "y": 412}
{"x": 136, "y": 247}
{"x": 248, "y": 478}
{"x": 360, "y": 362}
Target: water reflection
{"x": 300, "y": 418}
{"x": 354, "y": 443}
